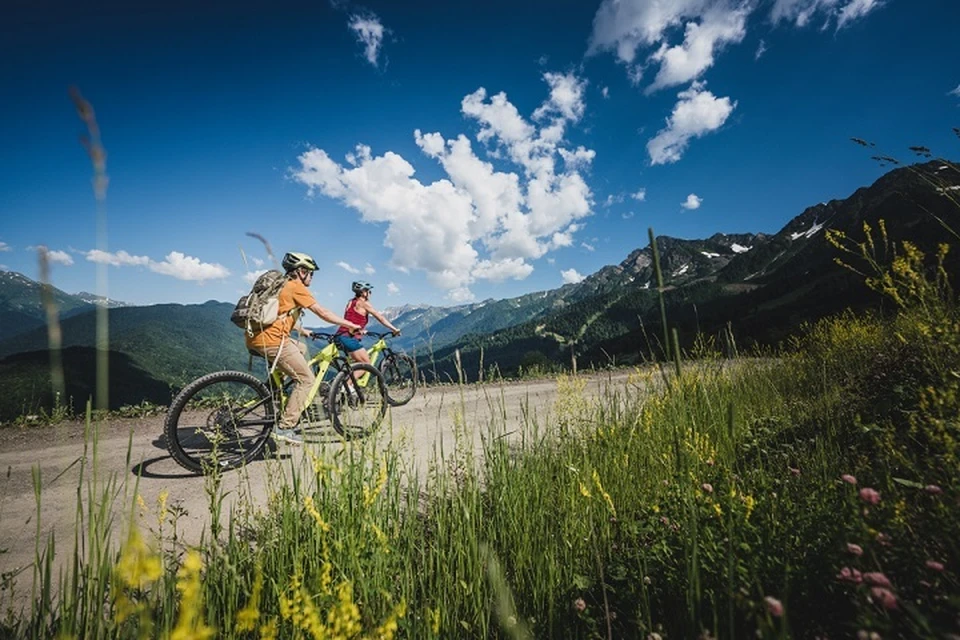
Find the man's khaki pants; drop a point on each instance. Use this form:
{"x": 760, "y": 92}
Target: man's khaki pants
{"x": 292, "y": 361}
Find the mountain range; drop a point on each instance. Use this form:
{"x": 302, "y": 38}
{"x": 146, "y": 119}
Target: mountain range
{"x": 748, "y": 288}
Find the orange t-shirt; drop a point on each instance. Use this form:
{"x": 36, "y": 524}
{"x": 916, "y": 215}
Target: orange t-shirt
{"x": 293, "y": 296}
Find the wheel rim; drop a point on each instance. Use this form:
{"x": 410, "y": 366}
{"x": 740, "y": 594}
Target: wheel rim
{"x": 224, "y": 423}
{"x": 357, "y": 417}
{"x": 399, "y": 378}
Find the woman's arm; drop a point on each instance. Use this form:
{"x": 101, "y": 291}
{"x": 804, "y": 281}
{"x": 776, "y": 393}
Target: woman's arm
{"x": 376, "y": 314}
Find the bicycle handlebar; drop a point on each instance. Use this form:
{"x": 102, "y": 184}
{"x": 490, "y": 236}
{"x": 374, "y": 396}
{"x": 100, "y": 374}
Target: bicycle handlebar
{"x": 379, "y": 336}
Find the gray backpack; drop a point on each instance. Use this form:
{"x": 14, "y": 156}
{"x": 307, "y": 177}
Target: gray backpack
{"x": 259, "y": 309}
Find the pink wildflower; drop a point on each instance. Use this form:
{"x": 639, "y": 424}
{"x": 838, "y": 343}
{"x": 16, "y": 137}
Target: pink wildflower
{"x": 579, "y": 605}
{"x": 774, "y": 606}
{"x": 849, "y": 479}
{"x": 870, "y": 496}
{"x": 855, "y": 549}
{"x": 933, "y": 489}
{"x": 664, "y": 519}
{"x": 884, "y": 539}
{"x": 706, "y": 486}
{"x": 795, "y": 471}
{"x": 885, "y": 597}
{"x": 933, "y": 564}
{"x": 877, "y": 579}
{"x": 850, "y": 575}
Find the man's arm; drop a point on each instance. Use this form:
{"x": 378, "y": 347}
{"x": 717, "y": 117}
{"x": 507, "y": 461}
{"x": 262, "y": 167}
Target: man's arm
{"x": 325, "y": 314}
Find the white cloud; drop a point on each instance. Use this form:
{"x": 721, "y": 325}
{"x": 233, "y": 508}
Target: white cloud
{"x": 369, "y": 32}
{"x": 761, "y": 49}
{"x": 251, "y": 276}
{"x": 477, "y": 222}
{"x": 514, "y": 268}
{"x": 801, "y": 12}
{"x": 692, "y": 202}
{"x": 697, "y": 113}
{"x": 392, "y": 289}
{"x": 257, "y": 262}
{"x": 176, "y": 264}
{"x": 646, "y": 32}
{"x": 587, "y": 246}
{"x": 347, "y": 267}
{"x": 118, "y": 259}
{"x": 184, "y": 267}
{"x": 570, "y": 276}
{"x": 605, "y": 92}
{"x": 955, "y": 92}
{"x": 60, "y": 257}
{"x": 613, "y": 199}
{"x": 4, "y": 247}
{"x": 640, "y": 195}
{"x": 369, "y": 270}
{"x": 684, "y": 62}
{"x": 627, "y": 215}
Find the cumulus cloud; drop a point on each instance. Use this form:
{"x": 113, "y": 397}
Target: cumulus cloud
{"x": 480, "y": 221}
{"x": 369, "y": 270}
{"x": 184, "y": 267}
{"x": 605, "y": 92}
{"x": 251, "y": 276}
{"x": 369, "y": 31}
{"x": 697, "y": 113}
{"x": 59, "y": 257}
{"x": 175, "y": 264}
{"x": 640, "y": 195}
{"x": 627, "y": 215}
{"x": 692, "y": 202}
{"x": 4, "y": 246}
{"x": 588, "y": 246}
{"x": 570, "y": 276}
{"x": 955, "y": 92}
{"x": 347, "y": 267}
{"x": 118, "y": 259}
{"x": 392, "y": 289}
{"x": 257, "y": 262}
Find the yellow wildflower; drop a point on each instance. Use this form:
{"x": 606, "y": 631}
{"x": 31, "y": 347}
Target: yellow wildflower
{"x": 370, "y": 494}
{"x": 312, "y": 510}
{"x": 191, "y": 625}
{"x": 248, "y": 617}
{"x": 606, "y": 496}
{"x": 138, "y": 565}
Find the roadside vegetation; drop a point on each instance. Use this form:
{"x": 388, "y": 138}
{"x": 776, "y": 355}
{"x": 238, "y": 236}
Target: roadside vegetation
{"x": 814, "y": 494}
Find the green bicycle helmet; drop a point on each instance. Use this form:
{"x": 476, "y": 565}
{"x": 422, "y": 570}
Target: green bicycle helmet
{"x": 293, "y": 260}
{"x": 361, "y": 286}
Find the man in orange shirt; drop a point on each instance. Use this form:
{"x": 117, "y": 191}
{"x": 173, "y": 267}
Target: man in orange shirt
{"x": 275, "y": 344}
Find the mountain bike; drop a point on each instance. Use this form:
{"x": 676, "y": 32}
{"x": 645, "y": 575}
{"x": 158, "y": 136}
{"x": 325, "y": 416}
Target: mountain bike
{"x": 224, "y": 419}
{"x": 399, "y": 370}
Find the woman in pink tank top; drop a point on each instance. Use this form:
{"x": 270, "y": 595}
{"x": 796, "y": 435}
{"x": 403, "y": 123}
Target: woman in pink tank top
{"x": 358, "y": 311}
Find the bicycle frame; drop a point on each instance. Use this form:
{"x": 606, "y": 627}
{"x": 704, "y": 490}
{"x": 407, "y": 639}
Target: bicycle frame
{"x": 320, "y": 363}
{"x": 375, "y": 352}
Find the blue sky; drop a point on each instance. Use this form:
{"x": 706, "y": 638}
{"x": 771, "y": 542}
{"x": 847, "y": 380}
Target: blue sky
{"x": 445, "y": 152}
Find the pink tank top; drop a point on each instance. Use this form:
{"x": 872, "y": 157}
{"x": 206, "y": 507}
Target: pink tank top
{"x": 353, "y": 316}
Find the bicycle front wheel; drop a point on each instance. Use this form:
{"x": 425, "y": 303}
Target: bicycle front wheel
{"x": 219, "y": 421}
{"x": 400, "y": 377}
{"x": 357, "y": 406}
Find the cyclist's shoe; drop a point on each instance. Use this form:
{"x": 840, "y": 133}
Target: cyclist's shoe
{"x": 287, "y": 435}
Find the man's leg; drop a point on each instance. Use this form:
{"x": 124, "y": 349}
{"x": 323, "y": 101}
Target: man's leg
{"x": 292, "y": 362}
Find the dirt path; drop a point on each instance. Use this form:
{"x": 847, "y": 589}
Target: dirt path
{"x": 54, "y": 456}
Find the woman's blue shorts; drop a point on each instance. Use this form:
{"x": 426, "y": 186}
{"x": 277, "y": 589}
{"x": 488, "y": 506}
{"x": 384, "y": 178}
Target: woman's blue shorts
{"x": 347, "y": 343}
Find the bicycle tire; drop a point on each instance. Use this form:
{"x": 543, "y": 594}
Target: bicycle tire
{"x": 399, "y": 377}
{"x": 357, "y": 418}
{"x": 219, "y": 421}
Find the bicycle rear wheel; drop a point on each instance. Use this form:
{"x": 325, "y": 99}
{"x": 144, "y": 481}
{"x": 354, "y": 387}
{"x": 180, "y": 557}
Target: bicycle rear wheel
{"x": 219, "y": 421}
{"x": 400, "y": 377}
{"x": 354, "y": 410}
